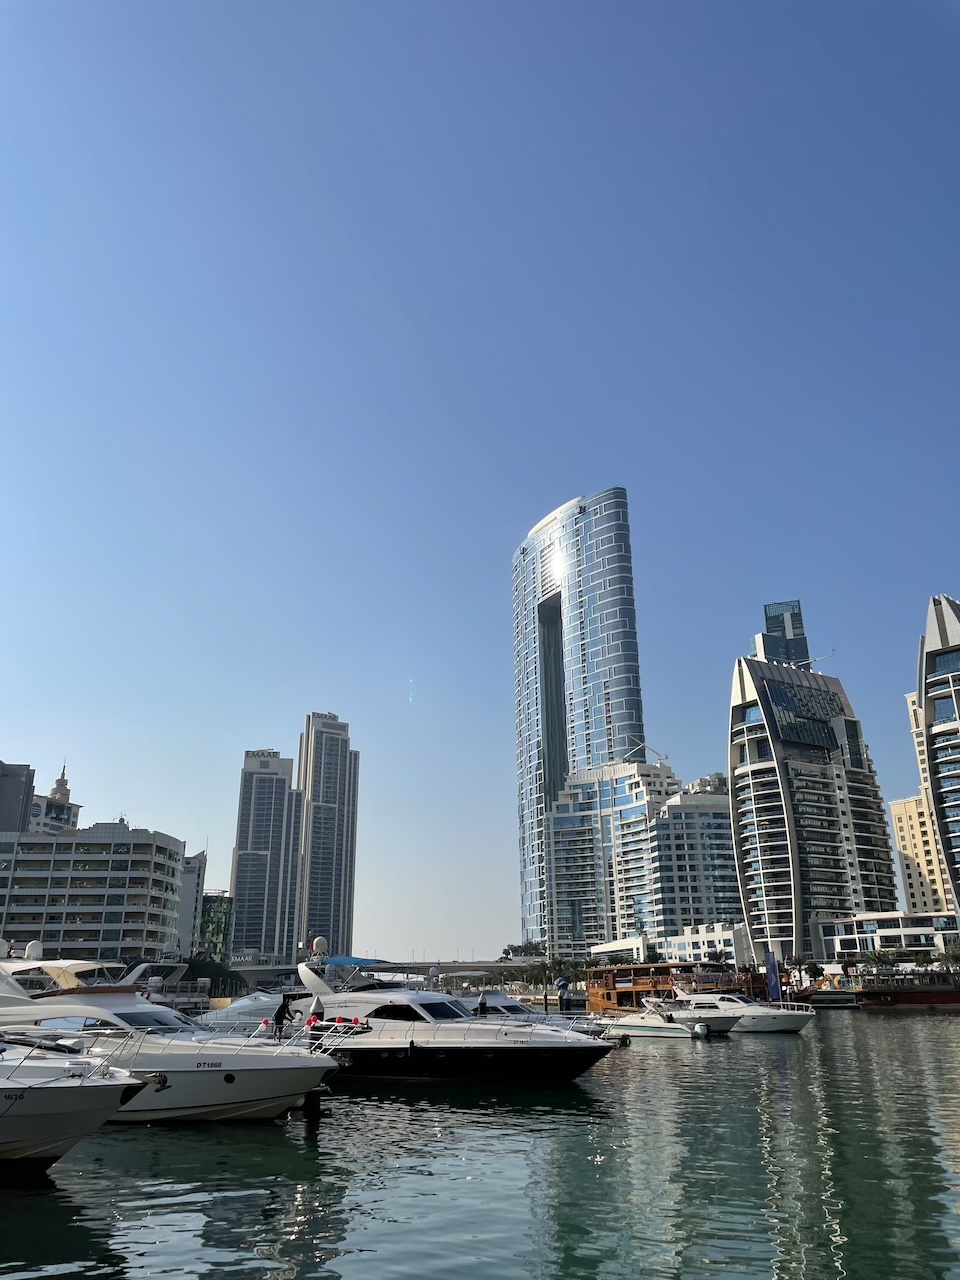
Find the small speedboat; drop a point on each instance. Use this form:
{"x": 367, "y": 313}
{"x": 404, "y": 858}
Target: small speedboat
{"x": 52, "y": 1094}
{"x": 670, "y": 1020}
{"x": 754, "y": 1015}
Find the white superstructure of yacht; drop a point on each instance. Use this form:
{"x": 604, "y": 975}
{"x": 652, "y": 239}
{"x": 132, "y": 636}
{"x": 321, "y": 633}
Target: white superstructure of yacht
{"x": 753, "y": 1015}
{"x": 496, "y": 1004}
{"x": 193, "y": 1073}
{"x": 50, "y": 1098}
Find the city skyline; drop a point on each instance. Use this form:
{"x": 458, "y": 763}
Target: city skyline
{"x": 323, "y": 315}
{"x": 221, "y": 872}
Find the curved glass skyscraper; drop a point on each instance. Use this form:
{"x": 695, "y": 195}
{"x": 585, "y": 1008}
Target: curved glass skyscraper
{"x": 577, "y": 687}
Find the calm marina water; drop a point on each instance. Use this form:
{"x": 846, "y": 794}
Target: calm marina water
{"x": 831, "y": 1154}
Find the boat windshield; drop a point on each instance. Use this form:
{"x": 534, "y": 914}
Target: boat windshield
{"x": 444, "y": 1010}
{"x": 165, "y": 1022}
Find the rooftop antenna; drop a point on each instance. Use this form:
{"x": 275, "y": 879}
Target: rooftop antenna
{"x": 645, "y": 746}
{"x": 826, "y": 658}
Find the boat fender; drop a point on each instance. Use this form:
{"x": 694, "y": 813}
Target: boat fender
{"x": 624, "y": 1042}
{"x": 701, "y": 1030}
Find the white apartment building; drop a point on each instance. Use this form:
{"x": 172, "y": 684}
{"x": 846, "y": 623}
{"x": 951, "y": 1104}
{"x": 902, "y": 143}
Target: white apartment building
{"x": 191, "y": 904}
{"x": 897, "y": 932}
{"x": 108, "y": 892}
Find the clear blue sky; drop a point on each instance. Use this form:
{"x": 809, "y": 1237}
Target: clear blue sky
{"x": 310, "y": 312}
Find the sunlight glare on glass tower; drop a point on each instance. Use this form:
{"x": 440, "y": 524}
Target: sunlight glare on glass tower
{"x": 577, "y": 672}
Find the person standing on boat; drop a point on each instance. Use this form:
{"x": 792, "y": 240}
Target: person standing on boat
{"x": 283, "y": 1014}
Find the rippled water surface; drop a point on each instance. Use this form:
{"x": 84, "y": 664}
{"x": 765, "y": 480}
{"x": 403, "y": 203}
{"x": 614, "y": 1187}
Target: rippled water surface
{"x": 831, "y": 1154}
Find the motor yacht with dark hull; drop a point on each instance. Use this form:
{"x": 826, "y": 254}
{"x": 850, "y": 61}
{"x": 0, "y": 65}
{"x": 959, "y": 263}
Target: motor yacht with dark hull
{"x": 397, "y": 1033}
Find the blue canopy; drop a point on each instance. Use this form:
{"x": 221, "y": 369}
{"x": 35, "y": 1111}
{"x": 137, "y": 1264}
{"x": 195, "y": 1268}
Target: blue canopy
{"x": 351, "y": 962}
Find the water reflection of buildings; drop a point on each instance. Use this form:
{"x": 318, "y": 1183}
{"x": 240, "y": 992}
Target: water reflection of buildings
{"x": 849, "y": 1145}
{"x": 248, "y": 1199}
{"x": 795, "y": 1158}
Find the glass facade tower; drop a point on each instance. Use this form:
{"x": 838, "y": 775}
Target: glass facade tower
{"x": 783, "y": 638}
{"x": 577, "y": 681}
{"x": 937, "y": 729}
{"x": 809, "y": 827}
{"x": 329, "y": 772}
{"x": 264, "y": 881}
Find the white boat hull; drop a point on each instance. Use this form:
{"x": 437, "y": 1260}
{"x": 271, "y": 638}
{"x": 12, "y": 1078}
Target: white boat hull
{"x": 217, "y": 1080}
{"x": 648, "y": 1031}
{"x": 40, "y": 1124}
{"x": 773, "y": 1021}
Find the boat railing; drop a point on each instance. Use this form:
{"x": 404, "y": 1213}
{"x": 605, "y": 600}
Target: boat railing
{"x": 49, "y": 1043}
{"x": 396, "y": 1032}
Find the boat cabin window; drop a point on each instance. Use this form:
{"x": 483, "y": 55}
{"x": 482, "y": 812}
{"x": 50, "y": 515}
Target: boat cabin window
{"x": 398, "y": 1013}
{"x": 162, "y": 1021}
{"x": 77, "y": 1024}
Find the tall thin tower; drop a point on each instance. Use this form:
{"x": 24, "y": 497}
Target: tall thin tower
{"x": 577, "y": 683}
{"x": 328, "y": 778}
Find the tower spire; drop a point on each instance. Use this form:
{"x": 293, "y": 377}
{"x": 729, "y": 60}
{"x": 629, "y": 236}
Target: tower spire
{"x": 60, "y": 791}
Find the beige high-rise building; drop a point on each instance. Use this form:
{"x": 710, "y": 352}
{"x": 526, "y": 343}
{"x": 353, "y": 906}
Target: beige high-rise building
{"x": 925, "y": 885}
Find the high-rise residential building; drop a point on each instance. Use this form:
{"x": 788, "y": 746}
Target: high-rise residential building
{"x": 107, "y": 892}
{"x": 635, "y": 853}
{"x": 264, "y": 877}
{"x": 191, "y": 904}
{"x": 809, "y": 827}
{"x": 295, "y": 854}
{"x": 783, "y": 638}
{"x": 56, "y": 811}
{"x": 935, "y": 719}
{"x": 16, "y": 796}
{"x": 926, "y": 885}
{"x": 692, "y": 878}
{"x": 216, "y": 927}
{"x": 597, "y": 842}
{"x": 328, "y": 779}
{"x": 577, "y": 689}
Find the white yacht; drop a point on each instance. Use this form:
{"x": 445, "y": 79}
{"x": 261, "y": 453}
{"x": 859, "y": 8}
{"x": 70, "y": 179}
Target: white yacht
{"x": 670, "y": 1020}
{"x": 753, "y": 1015}
{"x": 398, "y": 1033}
{"x": 52, "y": 1095}
{"x": 193, "y": 1074}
